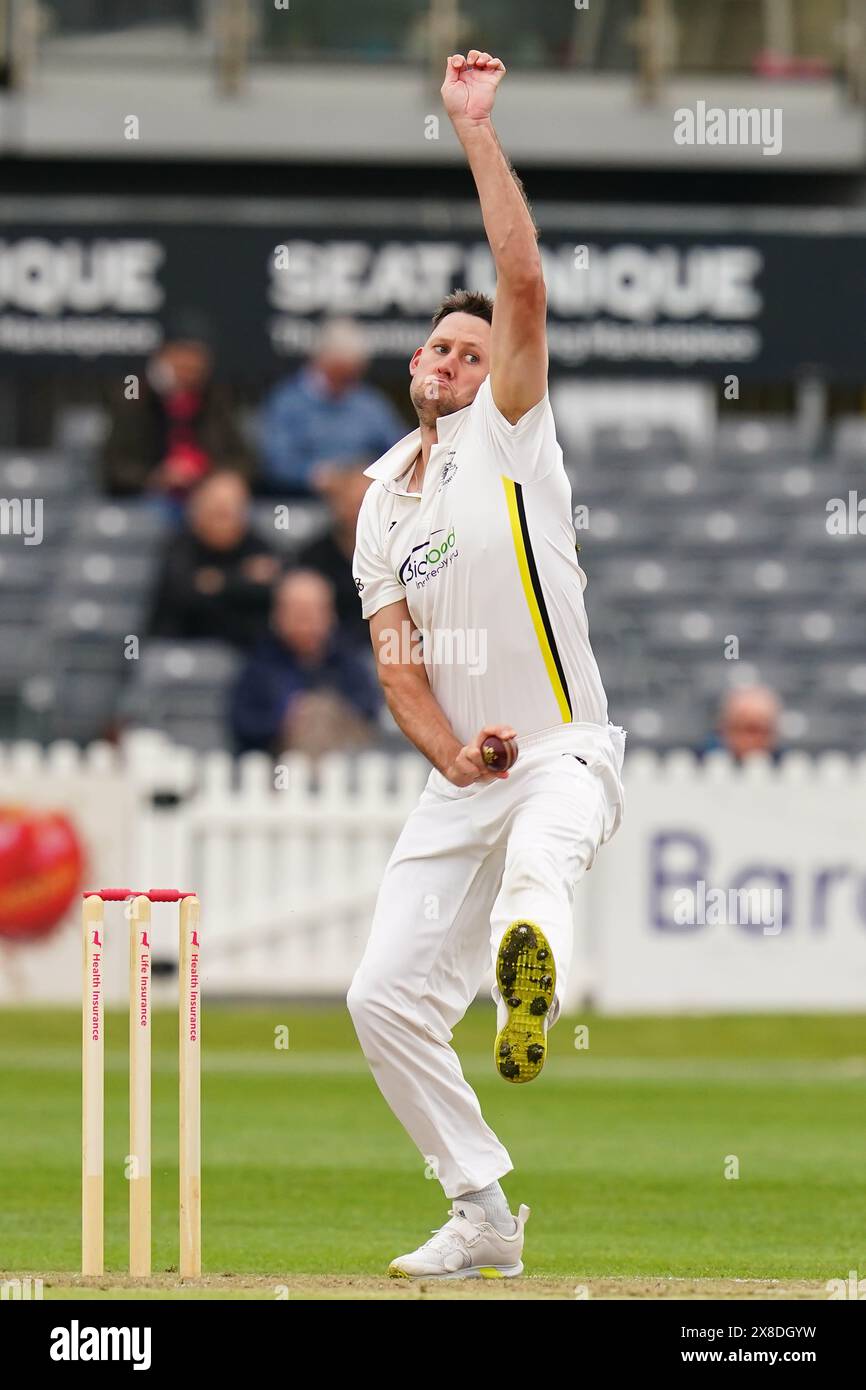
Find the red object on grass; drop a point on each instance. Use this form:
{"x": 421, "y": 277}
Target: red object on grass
{"x": 41, "y": 863}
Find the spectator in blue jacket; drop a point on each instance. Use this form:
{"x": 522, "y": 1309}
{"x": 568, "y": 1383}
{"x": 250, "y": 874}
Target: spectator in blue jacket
{"x": 324, "y": 414}
{"x": 304, "y": 687}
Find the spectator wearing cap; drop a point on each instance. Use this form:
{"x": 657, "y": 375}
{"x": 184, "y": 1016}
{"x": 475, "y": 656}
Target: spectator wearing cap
{"x": 331, "y": 554}
{"x": 304, "y": 687}
{"x": 325, "y": 413}
{"x": 217, "y": 576}
{"x": 177, "y": 430}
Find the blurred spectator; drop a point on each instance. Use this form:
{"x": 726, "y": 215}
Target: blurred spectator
{"x": 304, "y": 688}
{"x": 749, "y": 723}
{"x": 217, "y": 576}
{"x": 331, "y": 554}
{"x": 325, "y": 414}
{"x": 178, "y": 430}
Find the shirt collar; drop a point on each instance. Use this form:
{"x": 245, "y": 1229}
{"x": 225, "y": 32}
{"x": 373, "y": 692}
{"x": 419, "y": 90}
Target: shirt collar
{"x": 396, "y": 461}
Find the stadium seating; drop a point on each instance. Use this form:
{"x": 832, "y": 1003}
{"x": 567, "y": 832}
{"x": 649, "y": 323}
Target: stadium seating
{"x": 682, "y": 552}
{"x": 181, "y": 688}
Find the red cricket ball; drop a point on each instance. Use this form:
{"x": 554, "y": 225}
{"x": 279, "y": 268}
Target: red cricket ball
{"x": 41, "y": 863}
{"x": 498, "y": 754}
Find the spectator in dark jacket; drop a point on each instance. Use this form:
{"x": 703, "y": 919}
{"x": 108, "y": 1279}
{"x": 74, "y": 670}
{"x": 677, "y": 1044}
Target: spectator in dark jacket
{"x": 304, "y": 687}
{"x": 325, "y": 413}
{"x": 331, "y": 554}
{"x": 217, "y": 576}
{"x": 177, "y": 431}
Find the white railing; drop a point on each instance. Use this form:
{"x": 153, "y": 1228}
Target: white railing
{"x": 288, "y": 873}
{"x": 288, "y": 866}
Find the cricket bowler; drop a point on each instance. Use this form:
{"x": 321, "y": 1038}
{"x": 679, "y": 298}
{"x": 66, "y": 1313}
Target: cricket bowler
{"x": 466, "y": 567}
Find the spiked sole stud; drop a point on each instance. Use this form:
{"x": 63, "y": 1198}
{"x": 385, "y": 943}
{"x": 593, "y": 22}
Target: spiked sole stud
{"x": 526, "y": 976}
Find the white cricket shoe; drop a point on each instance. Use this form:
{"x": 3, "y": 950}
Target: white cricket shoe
{"x": 466, "y": 1247}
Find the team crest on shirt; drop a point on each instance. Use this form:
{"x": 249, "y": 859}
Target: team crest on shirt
{"x": 449, "y": 469}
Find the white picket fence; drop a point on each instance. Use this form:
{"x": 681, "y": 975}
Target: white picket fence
{"x": 288, "y": 866}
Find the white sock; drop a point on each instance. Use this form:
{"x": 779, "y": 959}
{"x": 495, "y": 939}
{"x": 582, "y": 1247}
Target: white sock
{"x": 494, "y": 1203}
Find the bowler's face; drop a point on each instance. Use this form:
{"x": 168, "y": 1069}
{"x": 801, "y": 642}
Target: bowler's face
{"x": 448, "y": 370}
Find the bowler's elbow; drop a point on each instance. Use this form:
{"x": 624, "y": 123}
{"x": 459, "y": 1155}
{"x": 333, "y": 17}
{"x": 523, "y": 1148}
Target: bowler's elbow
{"x": 524, "y": 284}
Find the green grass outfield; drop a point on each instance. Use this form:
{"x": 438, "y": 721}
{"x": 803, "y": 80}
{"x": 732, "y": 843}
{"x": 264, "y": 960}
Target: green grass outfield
{"x": 311, "y": 1187}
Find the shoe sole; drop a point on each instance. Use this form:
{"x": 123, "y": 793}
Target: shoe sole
{"x": 527, "y": 984}
{"x": 474, "y": 1272}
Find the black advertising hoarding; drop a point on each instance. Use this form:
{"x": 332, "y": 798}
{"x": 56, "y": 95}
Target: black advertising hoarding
{"x": 636, "y": 292}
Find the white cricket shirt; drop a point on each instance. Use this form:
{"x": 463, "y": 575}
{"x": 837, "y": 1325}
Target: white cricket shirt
{"x": 485, "y": 558}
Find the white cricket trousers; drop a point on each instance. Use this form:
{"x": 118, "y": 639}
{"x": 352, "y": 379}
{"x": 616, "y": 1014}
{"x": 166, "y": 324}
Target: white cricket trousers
{"x": 468, "y": 863}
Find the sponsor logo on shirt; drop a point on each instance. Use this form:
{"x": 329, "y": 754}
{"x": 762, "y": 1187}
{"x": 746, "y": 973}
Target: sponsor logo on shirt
{"x": 428, "y": 559}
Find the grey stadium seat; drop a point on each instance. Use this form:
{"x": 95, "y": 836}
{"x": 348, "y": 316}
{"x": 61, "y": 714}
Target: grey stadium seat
{"x": 717, "y": 530}
{"x": 807, "y": 533}
{"x": 595, "y": 490}
{"x": 20, "y": 647}
{"x": 102, "y": 571}
{"x": 612, "y": 531}
{"x": 753, "y": 440}
{"x": 182, "y": 687}
{"x": 700, "y": 630}
{"x": 814, "y": 728}
{"x": 306, "y": 521}
{"x": 80, "y": 616}
{"x": 80, "y": 429}
{"x": 663, "y": 724}
{"x": 40, "y": 473}
{"x": 843, "y": 683}
{"x": 799, "y": 487}
{"x": 81, "y": 704}
{"x": 713, "y": 679}
{"x": 682, "y": 483}
{"x": 820, "y": 630}
{"x": 652, "y": 580}
{"x": 771, "y": 580}
{"x": 849, "y": 440}
{"x": 127, "y": 526}
{"x": 634, "y": 441}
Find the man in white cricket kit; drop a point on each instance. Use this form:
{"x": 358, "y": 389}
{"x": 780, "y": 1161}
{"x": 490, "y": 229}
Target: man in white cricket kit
{"x": 465, "y": 543}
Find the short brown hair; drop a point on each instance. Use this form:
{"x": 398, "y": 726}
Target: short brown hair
{"x": 464, "y": 302}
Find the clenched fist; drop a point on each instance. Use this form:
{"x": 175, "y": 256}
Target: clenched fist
{"x": 469, "y": 765}
{"x": 469, "y": 89}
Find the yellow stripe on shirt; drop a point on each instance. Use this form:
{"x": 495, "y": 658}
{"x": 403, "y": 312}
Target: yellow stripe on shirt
{"x": 535, "y": 598}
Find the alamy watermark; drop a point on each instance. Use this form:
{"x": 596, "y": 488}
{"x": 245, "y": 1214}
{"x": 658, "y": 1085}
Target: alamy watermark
{"x": 853, "y": 1288}
{"x": 409, "y": 645}
{"x": 77, "y": 1343}
{"x": 27, "y": 1288}
{"x": 736, "y": 125}
{"x": 721, "y": 907}
{"x": 22, "y": 516}
{"x": 846, "y": 516}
